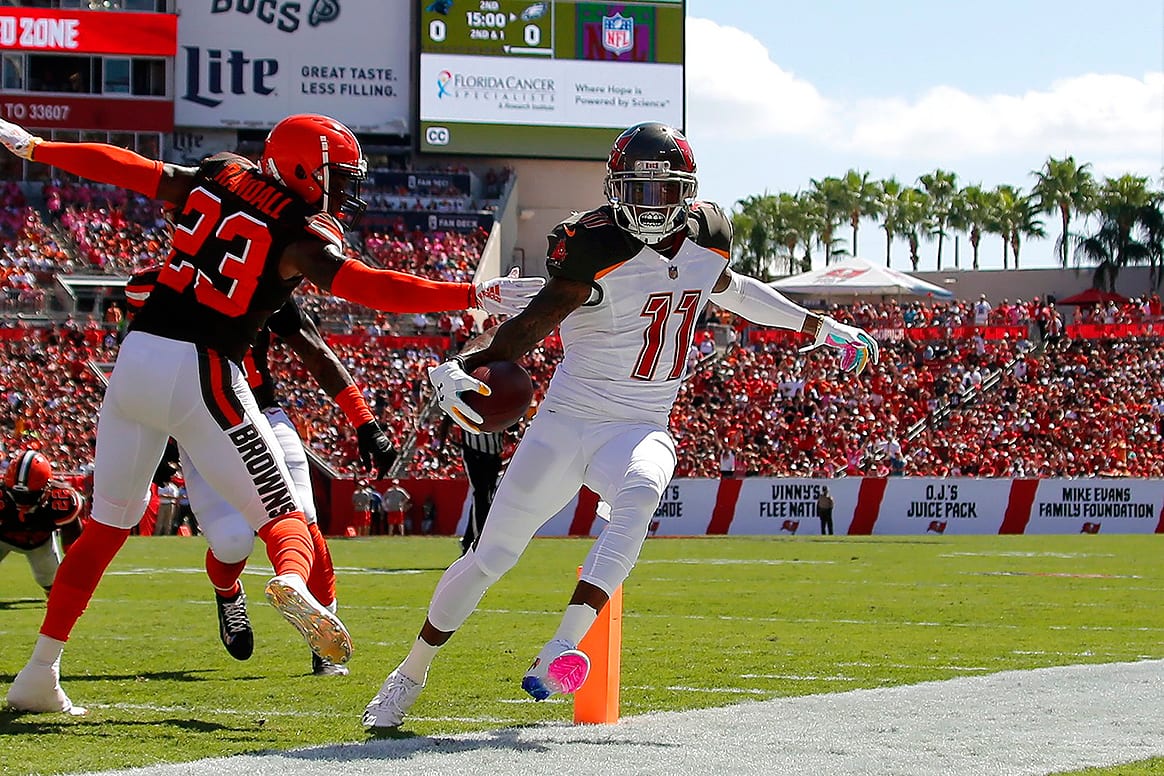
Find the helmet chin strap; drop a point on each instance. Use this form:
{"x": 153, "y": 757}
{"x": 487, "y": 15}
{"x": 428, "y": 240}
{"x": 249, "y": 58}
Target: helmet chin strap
{"x": 326, "y": 174}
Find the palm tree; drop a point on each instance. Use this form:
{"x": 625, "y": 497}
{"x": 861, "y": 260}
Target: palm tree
{"x": 1064, "y": 186}
{"x": 1129, "y": 230}
{"x": 813, "y": 214}
{"x": 889, "y": 206}
{"x": 793, "y": 226}
{"x": 862, "y": 200}
{"x": 1025, "y": 223}
{"x": 1002, "y": 215}
{"x": 976, "y": 207}
{"x": 832, "y": 200}
{"x": 941, "y": 185}
{"x": 753, "y": 221}
{"x": 914, "y": 208}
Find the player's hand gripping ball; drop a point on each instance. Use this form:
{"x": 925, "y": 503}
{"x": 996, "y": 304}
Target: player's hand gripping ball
{"x": 511, "y": 392}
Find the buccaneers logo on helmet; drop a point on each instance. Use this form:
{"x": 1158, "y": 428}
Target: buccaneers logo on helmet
{"x": 650, "y": 181}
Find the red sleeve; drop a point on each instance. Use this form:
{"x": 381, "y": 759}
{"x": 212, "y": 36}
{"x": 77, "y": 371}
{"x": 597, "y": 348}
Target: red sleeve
{"x": 398, "y": 292}
{"x": 104, "y": 164}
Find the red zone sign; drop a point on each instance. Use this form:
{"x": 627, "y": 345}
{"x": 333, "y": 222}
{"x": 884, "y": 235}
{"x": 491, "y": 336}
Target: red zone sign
{"x": 89, "y": 32}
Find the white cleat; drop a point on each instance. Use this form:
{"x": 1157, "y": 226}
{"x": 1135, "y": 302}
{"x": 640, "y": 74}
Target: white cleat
{"x": 37, "y": 688}
{"x": 323, "y": 631}
{"x": 391, "y": 704}
{"x": 558, "y": 668}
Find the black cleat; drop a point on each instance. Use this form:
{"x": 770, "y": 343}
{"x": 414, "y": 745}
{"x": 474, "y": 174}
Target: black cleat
{"x": 324, "y": 667}
{"x": 234, "y": 627}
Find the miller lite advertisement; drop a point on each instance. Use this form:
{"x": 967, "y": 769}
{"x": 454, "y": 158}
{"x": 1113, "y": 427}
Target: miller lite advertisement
{"x": 249, "y": 63}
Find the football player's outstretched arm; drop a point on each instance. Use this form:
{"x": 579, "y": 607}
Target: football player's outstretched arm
{"x": 323, "y": 263}
{"x": 760, "y": 303}
{"x": 514, "y": 338}
{"x": 102, "y": 163}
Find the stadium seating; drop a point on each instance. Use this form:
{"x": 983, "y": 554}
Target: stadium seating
{"x": 963, "y": 388}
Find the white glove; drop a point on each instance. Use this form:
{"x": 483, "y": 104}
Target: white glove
{"x": 857, "y": 348}
{"x": 507, "y": 295}
{"x": 449, "y": 379}
{"x": 18, "y": 140}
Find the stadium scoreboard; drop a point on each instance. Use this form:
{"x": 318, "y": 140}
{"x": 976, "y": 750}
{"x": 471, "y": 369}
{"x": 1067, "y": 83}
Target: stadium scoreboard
{"x": 557, "y": 79}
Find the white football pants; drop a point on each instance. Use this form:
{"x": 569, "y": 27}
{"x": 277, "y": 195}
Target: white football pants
{"x": 230, "y": 537}
{"x": 44, "y": 560}
{"x": 164, "y": 388}
{"x": 627, "y": 464}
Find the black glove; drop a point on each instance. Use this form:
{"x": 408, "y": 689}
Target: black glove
{"x": 376, "y": 451}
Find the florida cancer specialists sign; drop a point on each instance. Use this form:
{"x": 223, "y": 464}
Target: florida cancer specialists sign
{"x": 88, "y": 32}
{"x": 561, "y": 92}
{"x": 249, "y": 63}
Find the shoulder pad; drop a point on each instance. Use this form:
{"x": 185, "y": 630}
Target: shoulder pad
{"x": 63, "y": 500}
{"x": 586, "y": 243}
{"x": 140, "y": 286}
{"x": 711, "y": 227}
{"x": 327, "y": 228}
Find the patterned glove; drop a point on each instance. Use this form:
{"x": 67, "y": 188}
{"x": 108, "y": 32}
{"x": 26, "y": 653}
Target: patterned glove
{"x": 18, "y": 140}
{"x": 857, "y": 348}
{"x": 450, "y": 379}
{"x": 376, "y": 450}
{"x": 507, "y": 295}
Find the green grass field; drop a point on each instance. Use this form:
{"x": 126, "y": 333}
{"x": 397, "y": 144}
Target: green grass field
{"x": 707, "y": 622}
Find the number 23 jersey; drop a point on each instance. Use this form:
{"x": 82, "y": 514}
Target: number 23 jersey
{"x": 625, "y": 350}
{"x": 222, "y": 281}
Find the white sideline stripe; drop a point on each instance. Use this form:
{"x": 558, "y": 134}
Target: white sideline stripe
{"x": 801, "y": 678}
{"x": 1021, "y": 723}
{"x": 261, "y": 713}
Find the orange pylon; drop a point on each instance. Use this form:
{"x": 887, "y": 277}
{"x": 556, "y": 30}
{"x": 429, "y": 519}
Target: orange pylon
{"x": 596, "y": 701}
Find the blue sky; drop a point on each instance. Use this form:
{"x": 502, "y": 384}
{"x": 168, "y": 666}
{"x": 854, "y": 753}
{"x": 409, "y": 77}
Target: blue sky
{"x": 778, "y": 94}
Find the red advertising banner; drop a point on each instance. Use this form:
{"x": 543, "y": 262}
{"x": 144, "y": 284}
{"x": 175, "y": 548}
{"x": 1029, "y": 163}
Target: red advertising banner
{"x": 43, "y": 111}
{"x": 89, "y": 32}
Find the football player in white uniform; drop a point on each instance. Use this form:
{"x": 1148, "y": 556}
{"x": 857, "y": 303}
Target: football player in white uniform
{"x": 627, "y": 283}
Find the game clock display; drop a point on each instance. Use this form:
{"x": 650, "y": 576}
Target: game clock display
{"x": 558, "y": 78}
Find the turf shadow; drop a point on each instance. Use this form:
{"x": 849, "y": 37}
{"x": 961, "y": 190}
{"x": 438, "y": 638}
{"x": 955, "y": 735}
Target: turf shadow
{"x": 19, "y": 723}
{"x": 397, "y": 744}
{"x": 22, "y": 603}
{"x": 192, "y": 675}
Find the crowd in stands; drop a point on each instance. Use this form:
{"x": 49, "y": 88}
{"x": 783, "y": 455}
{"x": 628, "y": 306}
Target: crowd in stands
{"x": 49, "y": 394}
{"x": 964, "y": 388}
{"x": 968, "y": 407}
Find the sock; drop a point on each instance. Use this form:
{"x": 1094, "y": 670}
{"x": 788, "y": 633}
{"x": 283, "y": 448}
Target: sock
{"x": 575, "y": 623}
{"x": 420, "y": 657}
{"x": 224, "y": 576}
{"x": 321, "y": 583}
{"x": 78, "y": 575}
{"x": 289, "y": 545}
{"x": 47, "y": 650}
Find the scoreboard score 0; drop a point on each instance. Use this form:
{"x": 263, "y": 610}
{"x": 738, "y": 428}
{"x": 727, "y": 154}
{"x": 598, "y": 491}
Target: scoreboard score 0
{"x": 554, "y": 78}
{"x": 493, "y": 28}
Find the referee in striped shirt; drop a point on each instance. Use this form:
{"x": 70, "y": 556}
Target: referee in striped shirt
{"x": 481, "y": 454}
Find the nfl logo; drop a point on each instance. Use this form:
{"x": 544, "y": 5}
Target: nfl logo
{"x": 672, "y": 272}
{"x": 618, "y": 33}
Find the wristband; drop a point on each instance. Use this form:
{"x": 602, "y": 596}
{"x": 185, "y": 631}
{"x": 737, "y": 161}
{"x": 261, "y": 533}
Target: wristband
{"x": 352, "y": 403}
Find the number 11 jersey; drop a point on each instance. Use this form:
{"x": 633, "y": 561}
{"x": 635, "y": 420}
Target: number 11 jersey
{"x": 625, "y": 351}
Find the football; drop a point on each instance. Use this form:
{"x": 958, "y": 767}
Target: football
{"x": 512, "y": 391}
